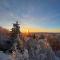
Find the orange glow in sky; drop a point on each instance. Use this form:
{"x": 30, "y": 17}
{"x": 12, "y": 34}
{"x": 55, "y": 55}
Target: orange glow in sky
{"x": 32, "y": 29}
{"x": 27, "y": 29}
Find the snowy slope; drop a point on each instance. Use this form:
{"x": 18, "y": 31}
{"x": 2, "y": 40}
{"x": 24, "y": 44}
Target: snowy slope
{"x": 41, "y": 53}
{"x": 4, "y": 56}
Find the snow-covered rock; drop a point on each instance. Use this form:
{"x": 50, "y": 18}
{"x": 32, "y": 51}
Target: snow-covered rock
{"x": 4, "y": 56}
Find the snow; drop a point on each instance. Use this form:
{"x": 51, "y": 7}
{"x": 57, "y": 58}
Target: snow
{"x": 57, "y": 53}
{"x": 4, "y": 56}
{"x": 40, "y": 53}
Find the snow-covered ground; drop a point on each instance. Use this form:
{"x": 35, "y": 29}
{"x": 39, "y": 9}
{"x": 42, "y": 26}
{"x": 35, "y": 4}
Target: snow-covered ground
{"x": 4, "y": 56}
{"x": 57, "y": 53}
{"x": 42, "y": 52}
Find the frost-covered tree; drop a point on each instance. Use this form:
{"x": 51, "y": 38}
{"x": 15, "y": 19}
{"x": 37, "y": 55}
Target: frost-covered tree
{"x": 13, "y": 36}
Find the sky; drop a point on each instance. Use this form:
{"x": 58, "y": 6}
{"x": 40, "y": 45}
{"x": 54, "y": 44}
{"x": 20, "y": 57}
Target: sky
{"x": 35, "y": 15}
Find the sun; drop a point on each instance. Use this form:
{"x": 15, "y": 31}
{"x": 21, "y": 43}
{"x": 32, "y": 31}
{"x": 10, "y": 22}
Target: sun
{"x": 27, "y": 31}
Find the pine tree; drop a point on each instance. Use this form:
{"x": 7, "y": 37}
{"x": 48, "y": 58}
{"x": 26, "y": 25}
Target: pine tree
{"x": 15, "y": 31}
{"x": 13, "y": 36}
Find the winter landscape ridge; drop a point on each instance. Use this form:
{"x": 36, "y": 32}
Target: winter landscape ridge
{"x": 36, "y": 46}
{"x": 29, "y": 29}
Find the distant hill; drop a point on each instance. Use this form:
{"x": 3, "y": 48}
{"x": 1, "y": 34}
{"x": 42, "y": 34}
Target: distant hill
{"x": 4, "y": 36}
{"x": 4, "y": 30}
{"x": 4, "y": 33}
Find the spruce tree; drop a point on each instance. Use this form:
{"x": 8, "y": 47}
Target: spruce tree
{"x": 13, "y": 36}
